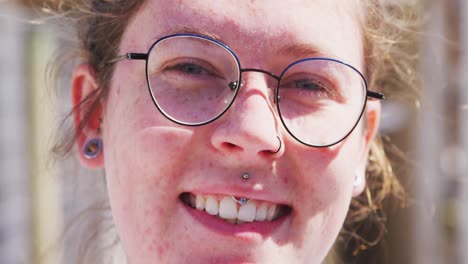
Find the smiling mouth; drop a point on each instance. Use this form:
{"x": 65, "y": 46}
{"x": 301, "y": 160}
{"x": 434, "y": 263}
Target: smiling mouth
{"x": 226, "y": 208}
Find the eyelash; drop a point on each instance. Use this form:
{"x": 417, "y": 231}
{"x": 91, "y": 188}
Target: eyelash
{"x": 319, "y": 88}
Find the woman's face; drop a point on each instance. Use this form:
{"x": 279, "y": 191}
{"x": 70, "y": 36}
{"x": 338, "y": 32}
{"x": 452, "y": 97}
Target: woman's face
{"x": 151, "y": 162}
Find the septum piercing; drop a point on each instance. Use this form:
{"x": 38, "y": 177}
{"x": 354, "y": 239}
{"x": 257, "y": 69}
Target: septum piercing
{"x": 241, "y": 201}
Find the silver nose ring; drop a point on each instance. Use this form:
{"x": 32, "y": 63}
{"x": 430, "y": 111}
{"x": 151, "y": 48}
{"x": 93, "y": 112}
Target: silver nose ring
{"x": 245, "y": 176}
{"x": 280, "y": 145}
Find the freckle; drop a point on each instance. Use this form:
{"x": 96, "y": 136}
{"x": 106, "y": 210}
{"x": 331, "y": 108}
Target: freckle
{"x": 161, "y": 250}
{"x": 147, "y": 231}
{"x": 152, "y": 246}
{"x": 161, "y": 211}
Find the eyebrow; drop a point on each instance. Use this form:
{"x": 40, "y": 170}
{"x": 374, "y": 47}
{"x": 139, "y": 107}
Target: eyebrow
{"x": 189, "y": 30}
{"x": 299, "y": 50}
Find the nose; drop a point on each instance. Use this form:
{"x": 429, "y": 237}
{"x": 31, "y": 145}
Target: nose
{"x": 249, "y": 131}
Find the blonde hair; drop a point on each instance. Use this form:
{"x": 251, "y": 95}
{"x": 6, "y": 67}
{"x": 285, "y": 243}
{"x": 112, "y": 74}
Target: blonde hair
{"x": 390, "y": 30}
{"x": 391, "y": 59}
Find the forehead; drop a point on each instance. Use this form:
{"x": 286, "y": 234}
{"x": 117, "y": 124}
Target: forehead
{"x": 259, "y": 27}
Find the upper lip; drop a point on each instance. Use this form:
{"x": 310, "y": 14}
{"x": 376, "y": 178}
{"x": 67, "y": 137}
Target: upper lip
{"x": 240, "y": 191}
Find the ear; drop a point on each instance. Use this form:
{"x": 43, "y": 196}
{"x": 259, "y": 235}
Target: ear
{"x": 372, "y": 115}
{"x": 87, "y": 113}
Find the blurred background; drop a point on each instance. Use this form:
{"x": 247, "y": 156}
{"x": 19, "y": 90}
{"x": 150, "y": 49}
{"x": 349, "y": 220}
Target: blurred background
{"x": 39, "y": 196}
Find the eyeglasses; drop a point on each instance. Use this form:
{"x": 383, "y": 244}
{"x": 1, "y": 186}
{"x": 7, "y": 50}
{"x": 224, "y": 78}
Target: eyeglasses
{"x": 193, "y": 80}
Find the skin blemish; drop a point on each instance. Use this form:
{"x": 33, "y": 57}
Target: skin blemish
{"x": 161, "y": 249}
{"x": 161, "y": 211}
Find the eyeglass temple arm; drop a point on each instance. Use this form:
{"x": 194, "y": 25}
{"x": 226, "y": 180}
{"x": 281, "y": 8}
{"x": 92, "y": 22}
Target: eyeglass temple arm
{"x": 376, "y": 95}
{"x": 130, "y": 56}
{"x": 137, "y": 56}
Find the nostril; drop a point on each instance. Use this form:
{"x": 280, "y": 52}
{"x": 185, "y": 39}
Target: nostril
{"x": 230, "y": 146}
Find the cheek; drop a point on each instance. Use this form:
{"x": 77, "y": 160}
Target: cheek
{"x": 142, "y": 177}
{"x": 327, "y": 174}
{"x": 324, "y": 188}
{"x": 143, "y": 155}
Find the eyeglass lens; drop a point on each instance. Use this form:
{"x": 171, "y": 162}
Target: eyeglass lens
{"x": 190, "y": 79}
{"x": 194, "y": 80}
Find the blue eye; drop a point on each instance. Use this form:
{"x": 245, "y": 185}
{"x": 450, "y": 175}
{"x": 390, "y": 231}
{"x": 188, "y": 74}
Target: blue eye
{"x": 308, "y": 84}
{"x": 189, "y": 68}
{"x": 308, "y": 88}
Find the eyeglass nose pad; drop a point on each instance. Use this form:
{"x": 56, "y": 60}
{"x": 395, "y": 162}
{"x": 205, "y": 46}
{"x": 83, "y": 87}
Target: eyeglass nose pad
{"x": 234, "y": 85}
{"x": 276, "y": 96}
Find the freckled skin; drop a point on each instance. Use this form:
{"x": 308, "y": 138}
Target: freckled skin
{"x": 149, "y": 160}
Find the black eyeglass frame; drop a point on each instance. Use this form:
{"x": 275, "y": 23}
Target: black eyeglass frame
{"x": 145, "y": 56}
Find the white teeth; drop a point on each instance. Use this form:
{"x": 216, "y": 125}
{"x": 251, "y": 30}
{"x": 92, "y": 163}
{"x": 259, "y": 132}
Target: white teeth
{"x": 261, "y": 213}
{"x": 192, "y": 201}
{"x": 247, "y": 212}
{"x": 271, "y": 213}
{"x": 228, "y": 208}
{"x": 211, "y": 205}
{"x": 200, "y": 202}
{"x": 232, "y": 211}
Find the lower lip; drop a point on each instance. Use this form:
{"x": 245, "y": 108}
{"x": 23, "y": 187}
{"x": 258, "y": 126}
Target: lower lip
{"x": 253, "y": 231}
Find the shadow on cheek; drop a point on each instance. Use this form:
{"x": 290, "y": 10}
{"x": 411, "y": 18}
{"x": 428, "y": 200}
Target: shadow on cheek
{"x": 167, "y": 140}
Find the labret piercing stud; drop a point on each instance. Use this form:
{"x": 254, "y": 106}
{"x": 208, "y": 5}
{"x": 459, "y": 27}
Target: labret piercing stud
{"x": 241, "y": 201}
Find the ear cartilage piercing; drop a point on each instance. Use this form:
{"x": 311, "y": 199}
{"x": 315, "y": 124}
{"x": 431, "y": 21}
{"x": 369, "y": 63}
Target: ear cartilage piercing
{"x": 241, "y": 201}
{"x": 101, "y": 121}
{"x": 280, "y": 145}
{"x": 245, "y": 176}
{"x": 92, "y": 148}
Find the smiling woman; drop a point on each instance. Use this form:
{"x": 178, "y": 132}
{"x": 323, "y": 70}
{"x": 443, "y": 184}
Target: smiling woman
{"x": 251, "y": 135}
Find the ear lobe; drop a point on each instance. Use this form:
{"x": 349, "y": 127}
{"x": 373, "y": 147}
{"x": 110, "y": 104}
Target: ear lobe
{"x": 359, "y": 182}
{"x": 372, "y": 124}
{"x": 87, "y": 113}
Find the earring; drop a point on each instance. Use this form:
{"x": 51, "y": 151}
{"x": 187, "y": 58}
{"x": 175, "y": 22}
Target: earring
{"x": 358, "y": 178}
{"x": 92, "y": 148}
